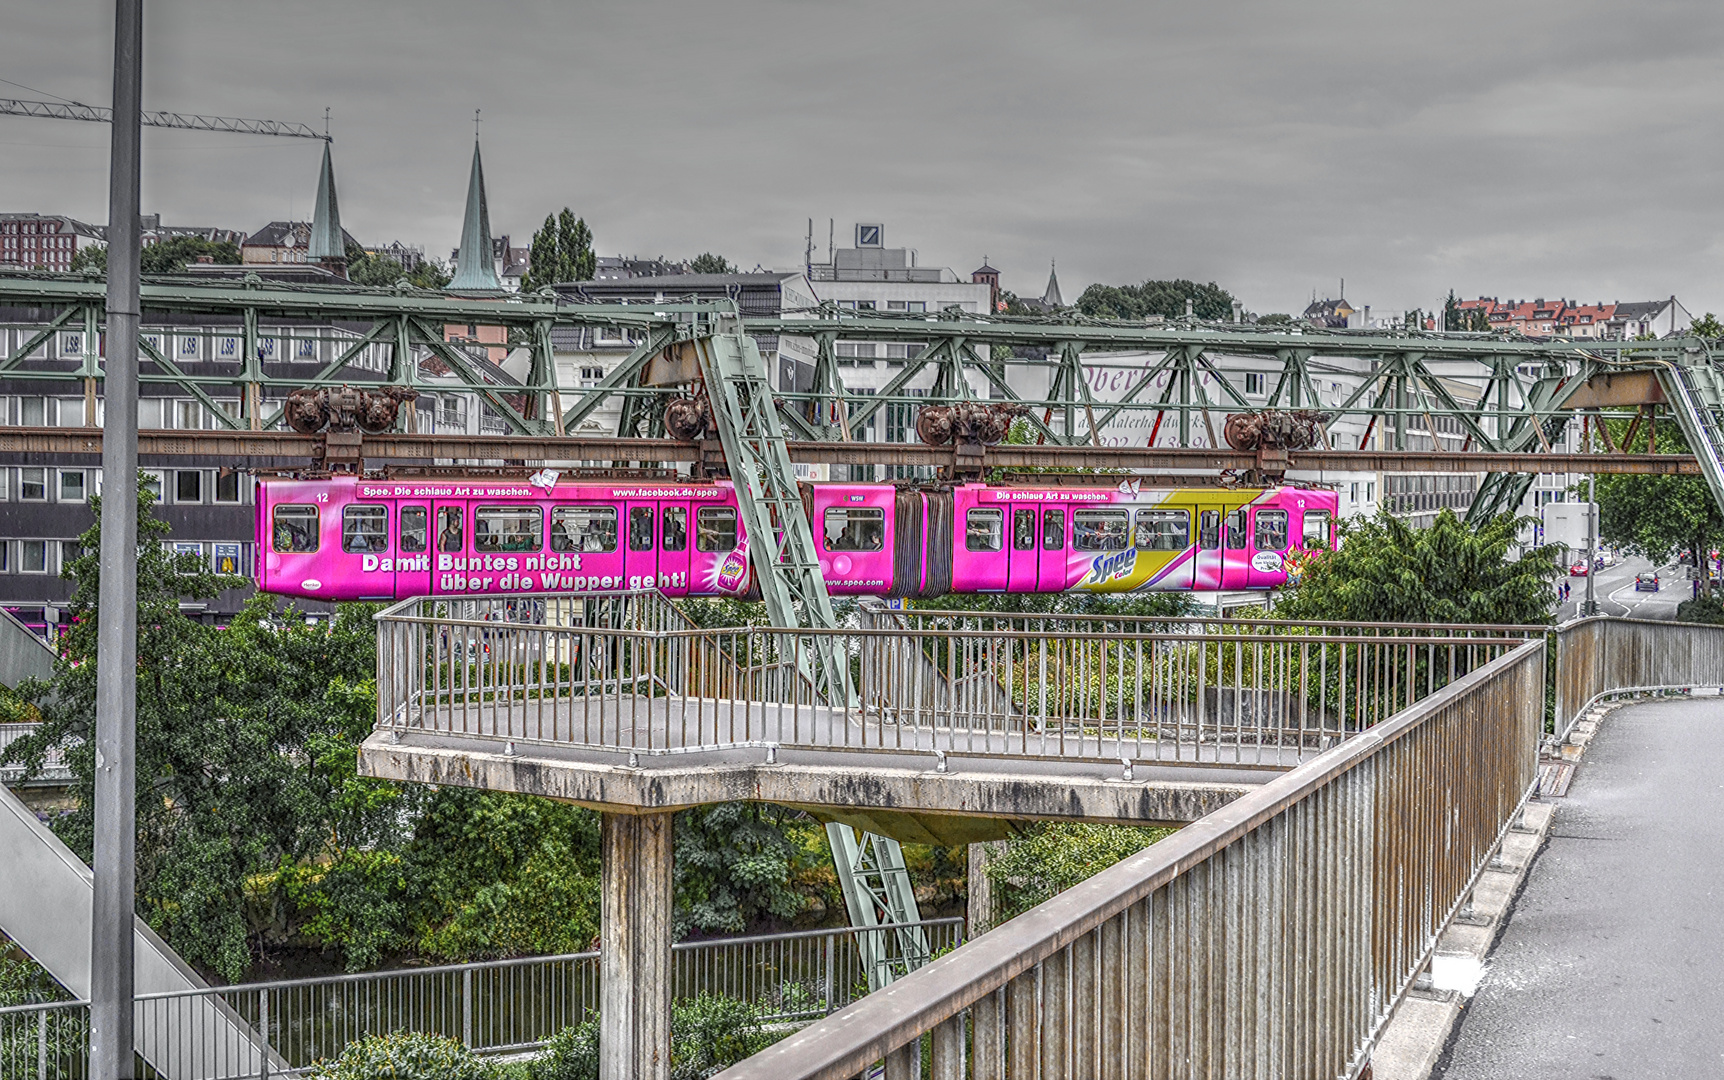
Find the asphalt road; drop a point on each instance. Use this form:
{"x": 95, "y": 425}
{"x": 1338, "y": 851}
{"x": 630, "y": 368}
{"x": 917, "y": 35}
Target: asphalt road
{"x": 1617, "y": 595}
{"x": 1608, "y": 967}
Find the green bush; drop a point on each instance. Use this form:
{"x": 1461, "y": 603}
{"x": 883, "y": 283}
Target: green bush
{"x": 1704, "y": 609}
{"x": 707, "y": 1035}
{"x": 1053, "y": 856}
{"x": 712, "y": 1033}
{"x": 405, "y": 1055}
{"x": 572, "y": 1054}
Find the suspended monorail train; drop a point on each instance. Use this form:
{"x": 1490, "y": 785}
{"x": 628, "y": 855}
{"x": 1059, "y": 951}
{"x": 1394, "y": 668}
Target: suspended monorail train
{"x": 352, "y": 538}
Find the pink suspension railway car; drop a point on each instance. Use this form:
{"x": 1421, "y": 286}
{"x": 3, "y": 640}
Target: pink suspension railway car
{"x": 352, "y": 538}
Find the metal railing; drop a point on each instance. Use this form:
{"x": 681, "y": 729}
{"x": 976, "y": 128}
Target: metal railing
{"x": 1601, "y": 656}
{"x": 1272, "y": 937}
{"x": 539, "y": 669}
{"x": 54, "y": 768}
{"x": 504, "y": 1006}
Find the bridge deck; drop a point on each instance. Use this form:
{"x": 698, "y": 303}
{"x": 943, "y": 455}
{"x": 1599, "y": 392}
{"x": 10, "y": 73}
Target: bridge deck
{"x": 640, "y": 753}
{"x": 1608, "y": 963}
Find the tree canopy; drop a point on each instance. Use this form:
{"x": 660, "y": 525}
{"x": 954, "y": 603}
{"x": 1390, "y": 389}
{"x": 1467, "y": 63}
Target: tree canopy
{"x": 1388, "y": 571}
{"x": 1657, "y": 516}
{"x": 708, "y": 263}
{"x": 367, "y": 268}
{"x": 165, "y": 256}
{"x": 1164, "y": 298}
{"x": 562, "y": 250}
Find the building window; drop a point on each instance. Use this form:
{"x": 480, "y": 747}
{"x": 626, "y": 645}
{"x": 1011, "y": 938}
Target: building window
{"x": 33, "y": 484}
{"x": 1370, "y": 490}
{"x": 72, "y": 485}
{"x": 33, "y": 411}
{"x": 1253, "y": 382}
{"x": 5, "y": 557}
{"x": 227, "y": 486}
{"x": 33, "y": 557}
{"x": 188, "y": 486}
{"x": 70, "y": 550}
{"x": 916, "y": 305}
{"x": 152, "y": 483}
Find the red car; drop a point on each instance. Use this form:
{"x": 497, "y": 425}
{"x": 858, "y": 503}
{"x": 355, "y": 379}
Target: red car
{"x": 1578, "y": 569}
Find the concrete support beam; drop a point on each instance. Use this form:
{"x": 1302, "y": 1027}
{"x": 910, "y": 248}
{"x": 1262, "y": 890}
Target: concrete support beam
{"x": 634, "y": 943}
{"x": 979, "y": 906}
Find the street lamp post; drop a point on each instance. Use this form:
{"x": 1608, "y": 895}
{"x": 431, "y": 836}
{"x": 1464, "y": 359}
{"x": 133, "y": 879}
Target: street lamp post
{"x": 1590, "y": 607}
{"x": 111, "y": 974}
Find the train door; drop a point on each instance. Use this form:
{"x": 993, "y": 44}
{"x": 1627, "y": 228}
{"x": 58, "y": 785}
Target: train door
{"x": 1053, "y": 575}
{"x": 673, "y": 549}
{"x": 366, "y": 551}
{"x": 1236, "y": 558}
{"x": 412, "y": 550}
{"x": 449, "y": 539}
{"x": 1207, "y": 573}
{"x": 640, "y": 567}
{"x": 1269, "y": 536}
{"x": 1024, "y": 562}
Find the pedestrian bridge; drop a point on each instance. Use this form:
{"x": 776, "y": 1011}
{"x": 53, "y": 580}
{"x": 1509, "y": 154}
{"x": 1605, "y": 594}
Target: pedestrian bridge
{"x": 1344, "y": 785}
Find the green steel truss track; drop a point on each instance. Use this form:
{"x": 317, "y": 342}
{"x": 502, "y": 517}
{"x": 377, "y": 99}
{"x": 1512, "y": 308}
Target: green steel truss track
{"x": 1506, "y": 395}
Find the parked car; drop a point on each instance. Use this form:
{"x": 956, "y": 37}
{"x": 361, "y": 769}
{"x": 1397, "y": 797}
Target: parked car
{"x": 1578, "y": 569}
{"x": 1646, "y": 582}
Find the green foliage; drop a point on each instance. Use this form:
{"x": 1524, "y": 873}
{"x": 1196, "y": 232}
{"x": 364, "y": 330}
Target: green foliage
{"x": 365, "y": 268}
{"x": 1707, "y": 327}
{"x": 707, "y": 1035}
{"x": 163, "y": 257}
{"x": 1164, "y": 298}
{"x": 562, "y": 250}
{"x": 734, "y": 864}
{"x": 1701, "y": 609}
{"x": 1119, "y": 605}
{"x": 246, "y": 742}
{"x": 24, "y": 982}
{"x": 712, "y": 1033}
{"x": 405, "y": 1055}
{"x": 1388, "y": 571}
{"x": 497, "y": 874}
{"x": 571, "y": 1054}
{"x": 1051, "y": 857}
{"x": 1657, "y": 516}
{"x": 14, "y": 709}
{"x": 1275, "y": 318}
{"x": 708, "y": 263}
{"x": 1457, "y": 318}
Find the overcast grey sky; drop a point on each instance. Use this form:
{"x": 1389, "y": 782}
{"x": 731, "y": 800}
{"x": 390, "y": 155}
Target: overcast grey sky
{"x": 1510, "y": 149}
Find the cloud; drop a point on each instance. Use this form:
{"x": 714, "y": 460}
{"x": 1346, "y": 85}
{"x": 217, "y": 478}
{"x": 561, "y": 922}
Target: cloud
{"x": 1536, "y": 148}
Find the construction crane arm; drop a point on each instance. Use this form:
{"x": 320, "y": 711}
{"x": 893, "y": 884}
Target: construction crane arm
{"x": 54, "y": 110}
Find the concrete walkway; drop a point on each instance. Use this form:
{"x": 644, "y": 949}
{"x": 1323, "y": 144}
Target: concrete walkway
{"x": 1611, "y": 965}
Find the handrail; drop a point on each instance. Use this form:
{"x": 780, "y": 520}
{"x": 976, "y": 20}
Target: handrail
{"x": 882, "y": 1024}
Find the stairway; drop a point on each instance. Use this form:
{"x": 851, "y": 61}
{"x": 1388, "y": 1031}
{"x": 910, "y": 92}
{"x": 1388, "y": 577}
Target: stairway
{"x": 1695, "y": 391}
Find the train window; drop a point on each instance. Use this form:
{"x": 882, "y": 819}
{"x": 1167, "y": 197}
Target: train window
{"x": 1023, "y": 530}
{"x": 1316, "y": 530}
{"x": 1209, "y": 530}
{"x": 414, "y": 527}
{"x": 1162, "y": 530}
{"x": 365, "y": 528}
{"x": 1053, "y": 530}
{"x": 450, "y": 536}
{"x": 985, "y": 530}
{"x": 675, "y": 536}
{"x": 715, "y": 529}
{"x": 1236, "y": 530}
{"x": 1099, "y": 530}
{"x": 855, "y": 528}
{"x": 1271, "y": 530}
{"x": 296, "y": 529}
{"x": 508, "y": 528}
{"x": 640, "y": 528}
{"x": 584, "y": 528}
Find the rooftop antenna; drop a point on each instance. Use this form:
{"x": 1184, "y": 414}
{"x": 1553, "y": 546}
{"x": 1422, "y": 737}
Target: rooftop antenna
{"x": 808, "y": 250}
{"x": 831, "y": 227}
{"x": 475, "y": 125}
{"x": 326, "y": 137}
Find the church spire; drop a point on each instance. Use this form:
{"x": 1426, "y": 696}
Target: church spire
{"x": 1052, "y": 296}
{"x": 475, "y": 270}
{"x": 327, "y": 247}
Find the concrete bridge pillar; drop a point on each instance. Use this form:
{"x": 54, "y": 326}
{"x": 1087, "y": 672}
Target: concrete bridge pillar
{"x": 634, "y": 941}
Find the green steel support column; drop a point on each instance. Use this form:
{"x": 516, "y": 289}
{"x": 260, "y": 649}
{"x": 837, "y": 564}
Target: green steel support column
{"x": 403, "y": 371}
{"x": 827, "y": 412}
{"x": 780, "y": 541}
{"x": 878, "y": 893}
{"x": 1184, "y": 369}
{"x": 542, "y": 376}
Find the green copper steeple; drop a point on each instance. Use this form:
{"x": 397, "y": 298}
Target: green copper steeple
{"x": 327, "y": 246}
{"x": 474, "y": 269}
